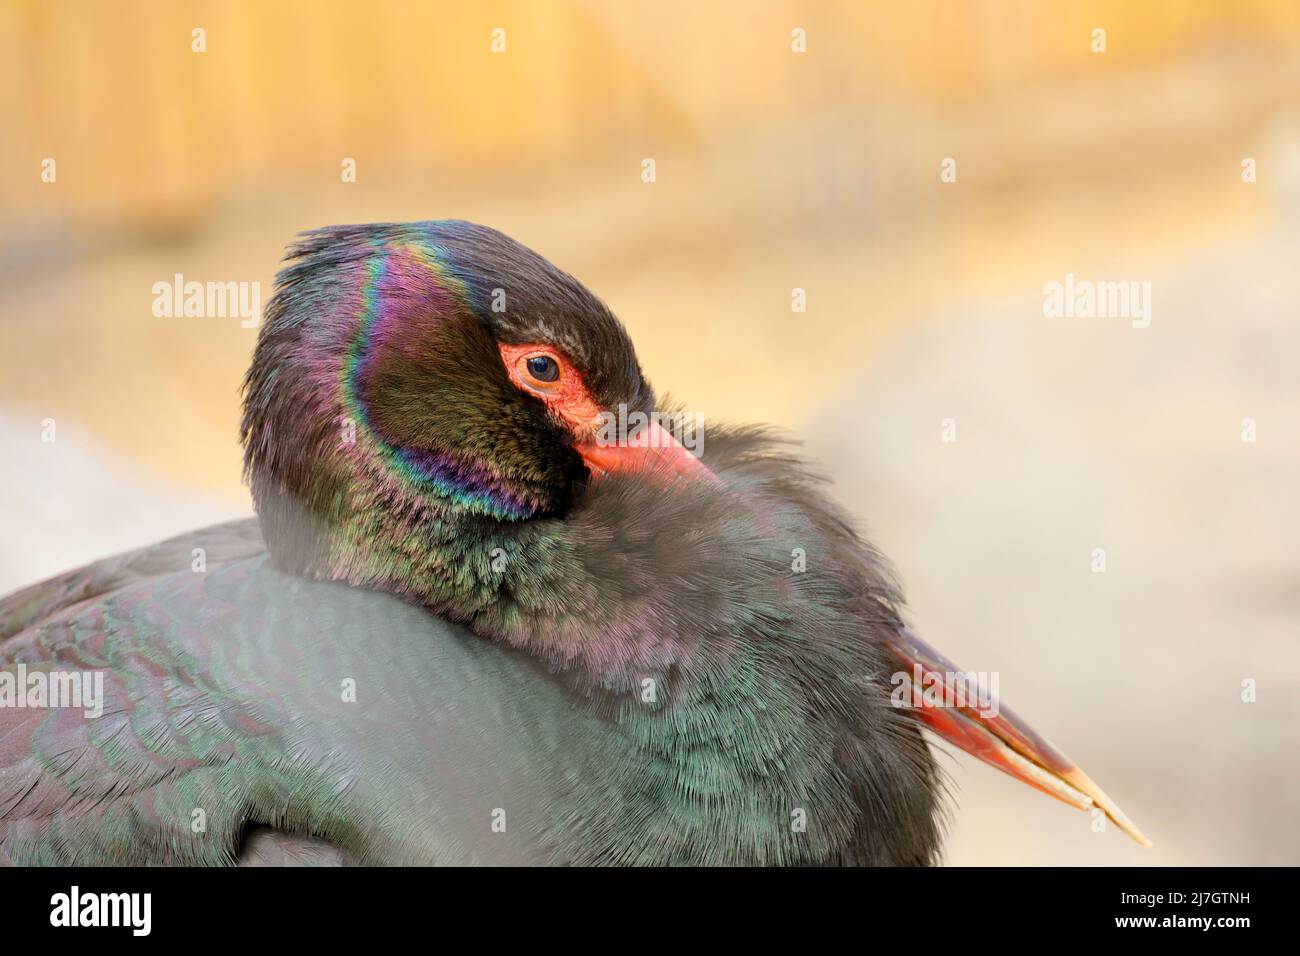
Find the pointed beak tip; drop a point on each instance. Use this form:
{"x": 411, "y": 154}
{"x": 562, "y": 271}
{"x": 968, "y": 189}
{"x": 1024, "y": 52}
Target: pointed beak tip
{"x": 1004, "y": 741}
{"x": 1097, "y": 797}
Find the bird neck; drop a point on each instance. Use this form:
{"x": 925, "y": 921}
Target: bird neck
{"x": 634, "y": 582}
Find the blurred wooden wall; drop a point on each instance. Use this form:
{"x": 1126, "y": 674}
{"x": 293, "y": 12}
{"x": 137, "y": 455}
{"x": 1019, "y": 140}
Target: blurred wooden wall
{"x": 142, "y": 127}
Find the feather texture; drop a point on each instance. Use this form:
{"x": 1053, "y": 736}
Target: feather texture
{"x": 455, "y": 647}
{"x": 225, "y": 695}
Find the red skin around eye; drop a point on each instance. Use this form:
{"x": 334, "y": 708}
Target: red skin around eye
{"x": 652, "y": 450}
{"x": 567, "y": 396}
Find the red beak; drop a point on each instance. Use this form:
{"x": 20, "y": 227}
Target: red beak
{"x": 1000, "y": 739}
{"x": 652, "y": 449}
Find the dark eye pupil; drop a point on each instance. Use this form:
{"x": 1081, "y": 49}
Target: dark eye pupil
{"x": 543, "y": 368}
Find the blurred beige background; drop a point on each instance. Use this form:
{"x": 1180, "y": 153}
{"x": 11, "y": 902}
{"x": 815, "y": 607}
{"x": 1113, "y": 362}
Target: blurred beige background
{"x": 775, "y": 170}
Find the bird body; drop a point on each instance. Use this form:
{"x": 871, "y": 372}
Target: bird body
{"x": 248, "y": 717}
{"x": 260, "y": 697}
{"x": 465, "y": 630}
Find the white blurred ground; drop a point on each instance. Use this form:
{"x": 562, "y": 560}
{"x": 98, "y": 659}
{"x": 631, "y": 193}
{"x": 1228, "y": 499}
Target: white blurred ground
{"x": 68, "y": 502}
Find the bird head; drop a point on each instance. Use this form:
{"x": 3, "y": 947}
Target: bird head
{"x": 431, "y": 375}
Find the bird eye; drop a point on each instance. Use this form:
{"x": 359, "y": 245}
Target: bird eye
{"x": 543, "y": 368}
